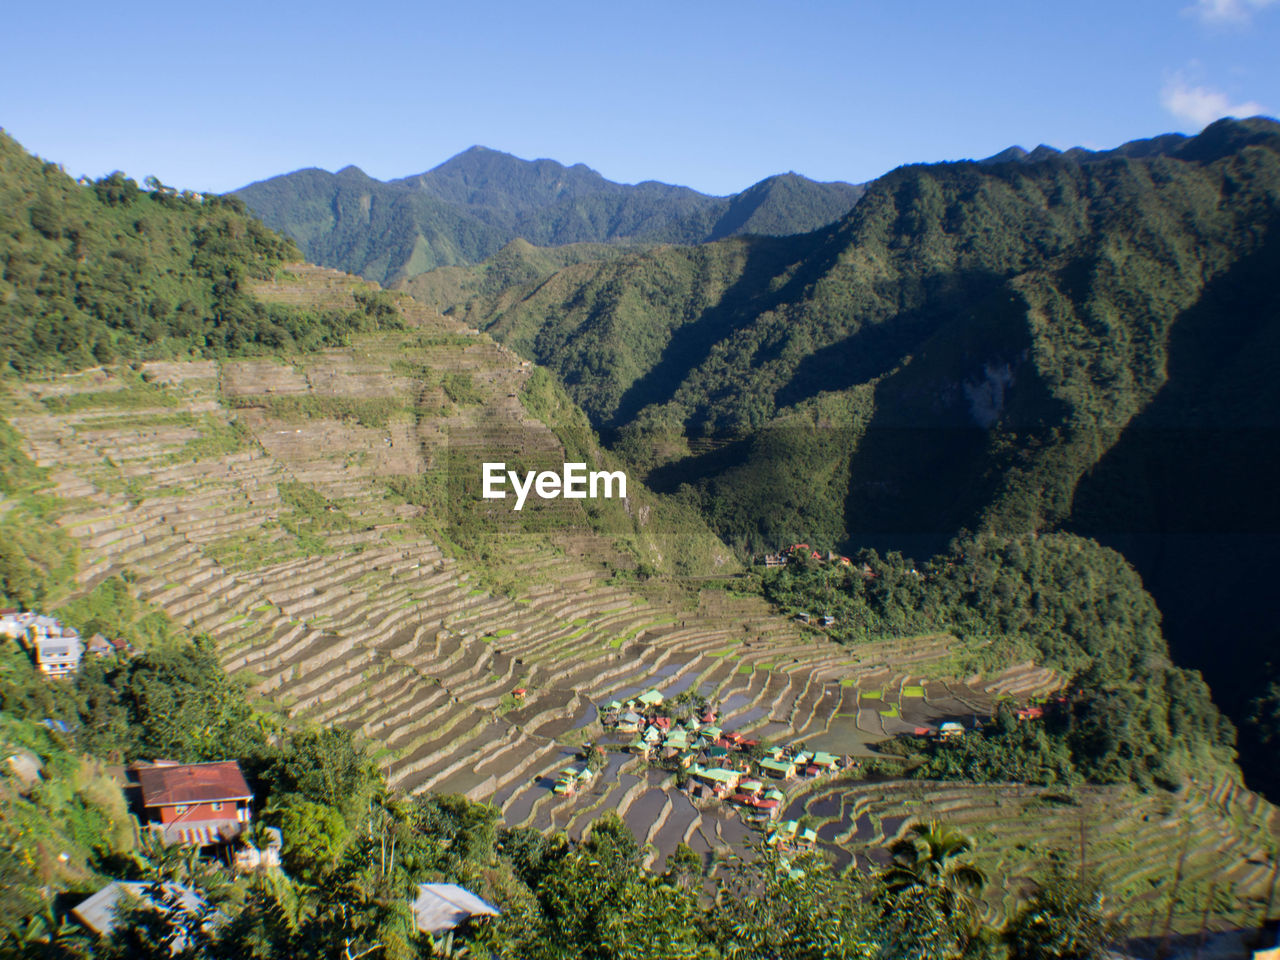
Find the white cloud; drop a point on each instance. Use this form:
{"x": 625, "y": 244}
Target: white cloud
{"x": 1228, "y": 11}
{"x": 1201, "y": 106}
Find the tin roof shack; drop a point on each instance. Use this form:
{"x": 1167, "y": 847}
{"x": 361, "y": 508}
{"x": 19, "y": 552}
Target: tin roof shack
{"x": 441, "y": 907}
{"x": 99, "y": 913}
{"x": 99, "y": 646}
{"x": 826, "y": 762}
{"x": 196, "y": 803}
{"x": 25, "y": 767}
{"x": 572, "y": 779}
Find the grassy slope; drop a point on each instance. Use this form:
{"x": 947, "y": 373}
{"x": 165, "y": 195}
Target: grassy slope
{"x": 516, "y": 264}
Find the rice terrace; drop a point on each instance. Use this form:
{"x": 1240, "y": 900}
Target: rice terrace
{"x": 278, "y": 505}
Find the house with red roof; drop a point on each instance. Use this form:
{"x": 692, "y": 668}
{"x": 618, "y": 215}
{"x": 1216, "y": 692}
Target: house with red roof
{"x": 195, "y": 803}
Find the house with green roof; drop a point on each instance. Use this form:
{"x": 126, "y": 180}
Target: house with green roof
{"x": 825, "y": 761}
{"x": 721, "y": 781}
{"x": 677, "y": 740}
{"x": 567, "y": 782}
{"x": 778, "y": 769}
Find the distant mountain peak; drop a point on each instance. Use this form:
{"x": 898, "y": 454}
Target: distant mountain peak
{"x": 473, "y": 204}
{"x": 1008, "y": 155}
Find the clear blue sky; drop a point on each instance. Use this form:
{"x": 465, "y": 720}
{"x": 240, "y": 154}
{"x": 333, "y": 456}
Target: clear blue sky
{"x": 715, "y": 95}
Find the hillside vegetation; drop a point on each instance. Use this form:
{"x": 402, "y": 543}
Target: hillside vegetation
{"x": 1033, "y": 342}
{"x": 450, "y": 289}
{"x": 1061, "y": 600}
{"x": 1015, "y": 315}
{"x": 471, "y": 206}
{"x": 105, "y": 271}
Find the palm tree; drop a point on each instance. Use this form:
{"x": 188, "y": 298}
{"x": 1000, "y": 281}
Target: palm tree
{"x": 927, "y": 857}
{"x": 46, "y": 934}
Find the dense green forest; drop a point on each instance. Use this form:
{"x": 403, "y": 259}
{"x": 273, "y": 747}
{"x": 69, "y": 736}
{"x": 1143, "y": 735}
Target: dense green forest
{"x": 1040, "y": 341}
{"x": 963, "y": 346}
{"x": 474, "y": 204}
{"x": 100, "y": 272}
{"x": 1061, "y": 600}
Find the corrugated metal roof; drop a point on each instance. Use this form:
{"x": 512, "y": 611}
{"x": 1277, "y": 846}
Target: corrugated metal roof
{"x": 98, "y": 913}
{"x": 192, "y": 783}
{"x": 444, "y": 906}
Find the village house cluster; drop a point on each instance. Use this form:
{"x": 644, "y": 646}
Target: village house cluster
{"x": 56, "y": 648}
{"x": 799, "y": 552}
{"x": 721, "y": 766}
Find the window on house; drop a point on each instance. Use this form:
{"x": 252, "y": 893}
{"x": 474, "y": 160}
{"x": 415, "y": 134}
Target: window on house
{"x": 180, "y": 808}
{"x": 216, "y": 805}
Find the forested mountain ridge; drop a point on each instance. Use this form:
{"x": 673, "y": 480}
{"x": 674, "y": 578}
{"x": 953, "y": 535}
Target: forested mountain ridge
{"x": 106, "y": 271}
{"x": 475, "y": 203}
{"x": 1036, "y": 341}
{"x": 1021, "y": 309}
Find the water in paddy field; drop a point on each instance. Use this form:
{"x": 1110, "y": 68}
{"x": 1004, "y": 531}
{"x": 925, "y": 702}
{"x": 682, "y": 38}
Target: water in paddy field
{"x": 522, "y": 805}
{"x": 680, "y": 686}
{"x": 682, "y": 815}
{"x": 843, "y": 737}
{"x": 827, "y": 807}
{"x": 646, "y": 809}
{"x": 654, "y": 683}
{"x": 745, "y": 719}
{"x": 616, "y": 760}
{"x": 588, "y": 716}
{"x": 775, "y": 731}
{"x": 891, "y": 825}
{"x": 500, "y": 798}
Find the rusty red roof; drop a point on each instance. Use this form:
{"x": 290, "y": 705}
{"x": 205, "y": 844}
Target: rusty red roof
{"x": 170, "y": 784}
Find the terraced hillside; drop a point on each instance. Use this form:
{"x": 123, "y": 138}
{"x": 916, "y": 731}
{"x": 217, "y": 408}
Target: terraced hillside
{"x": 305, "y": 514}
{"x": 1205, "y": 855}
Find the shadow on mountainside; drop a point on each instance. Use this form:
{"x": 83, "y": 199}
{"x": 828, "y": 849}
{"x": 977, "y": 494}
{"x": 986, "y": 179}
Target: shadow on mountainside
{"x": 936, "y": 451}
{"x": 1188, "y": 493}
{"x": 749, "y": 297}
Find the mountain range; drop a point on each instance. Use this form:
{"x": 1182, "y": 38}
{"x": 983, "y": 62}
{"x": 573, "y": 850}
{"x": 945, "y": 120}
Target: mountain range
{"x": 472, "y": 205}
{"x": 1034, "y": 342}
